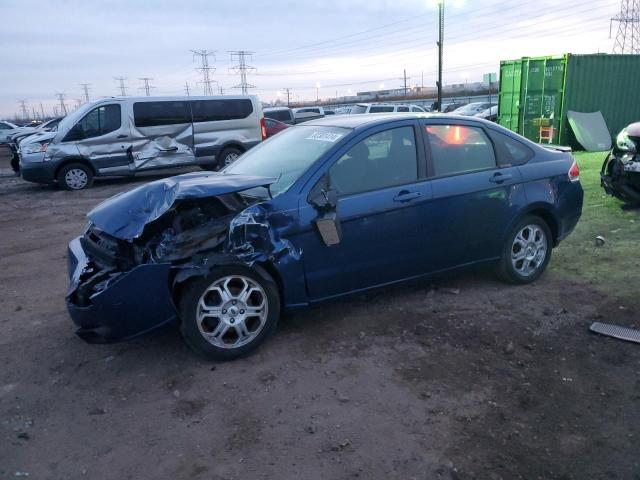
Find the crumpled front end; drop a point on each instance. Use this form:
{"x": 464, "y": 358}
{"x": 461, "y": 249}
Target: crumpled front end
{"x": 620, "y": 174}
{"x": 124, "y": 270}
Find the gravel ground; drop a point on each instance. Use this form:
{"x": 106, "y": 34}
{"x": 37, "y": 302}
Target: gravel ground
{"x": 455, "y": 378}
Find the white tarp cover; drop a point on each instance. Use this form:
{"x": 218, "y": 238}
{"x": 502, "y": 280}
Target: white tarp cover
{"x": 590, "y": 130}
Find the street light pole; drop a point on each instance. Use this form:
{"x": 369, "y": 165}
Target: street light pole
{"x": 440, "y": 40}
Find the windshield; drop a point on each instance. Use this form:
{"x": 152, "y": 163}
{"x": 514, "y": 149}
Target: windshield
{"x": 287, "y": 155}
{"x": 71, "y": 119}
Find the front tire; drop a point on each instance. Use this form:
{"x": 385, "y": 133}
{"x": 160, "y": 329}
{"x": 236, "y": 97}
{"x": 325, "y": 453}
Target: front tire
{"x": 75, "y": 176}
{"x": 526, "y": 252}
{"x": 230, "y": 312}
{"x": 228, "y": 156}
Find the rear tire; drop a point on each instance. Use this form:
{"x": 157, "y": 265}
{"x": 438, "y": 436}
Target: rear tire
{"x": 228, "y": 156}
{"x": 526, "y": 252}
{"x": 230, "y": 312}
{"x": 75, "y": 176}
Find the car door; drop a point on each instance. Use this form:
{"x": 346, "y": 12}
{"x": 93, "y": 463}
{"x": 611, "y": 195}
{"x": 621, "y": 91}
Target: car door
{"x": 381, "y": 185}
{"x": 162, "y": 134}
{"x": 474, "y": 199}
{"x": 101, "y": 137}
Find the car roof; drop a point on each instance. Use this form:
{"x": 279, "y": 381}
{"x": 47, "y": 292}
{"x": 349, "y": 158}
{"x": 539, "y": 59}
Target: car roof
{"x": 370, "y": 119}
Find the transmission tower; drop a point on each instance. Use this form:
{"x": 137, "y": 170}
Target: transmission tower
{"x": 146, "y": 87}
{"x": 405, "y": 78}
{"x": 85, "y": 89}
{"x": 243, "y": 69}
{"x": 205, "y": 69}
{"x": 186, "y": 88}
{"x": 628, "y": 36}
{"x": 63, "y": 107}
{"x": 23, "y": 109}
{"x": 123, "y": 87}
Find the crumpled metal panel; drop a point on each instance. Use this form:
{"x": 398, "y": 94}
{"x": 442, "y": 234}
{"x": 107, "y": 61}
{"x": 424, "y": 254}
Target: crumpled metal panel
{"x": 125, "y": 215}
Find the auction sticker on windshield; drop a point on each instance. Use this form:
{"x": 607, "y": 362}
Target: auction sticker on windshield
{"x": 325, "y": 136}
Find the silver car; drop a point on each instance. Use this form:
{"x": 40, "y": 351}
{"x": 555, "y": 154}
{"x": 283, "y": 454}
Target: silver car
{"x": 127, "y": 135}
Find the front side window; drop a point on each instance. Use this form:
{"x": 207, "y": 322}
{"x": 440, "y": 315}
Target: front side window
{"x": 459, "y": 149}
{"x": 382, "y": 160}
{"x": 152, "y": 114}
{"x": 100, "y": 121}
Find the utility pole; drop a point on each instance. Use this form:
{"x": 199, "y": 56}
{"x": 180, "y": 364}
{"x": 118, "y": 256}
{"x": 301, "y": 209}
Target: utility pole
{"x": 63, "y": 107}
{"x": 85, "y": 89}
{"x": 23, "y": 109}
{"x": 147, "y": 88}
{"x": 288, "y": 92}
{"x": 42, "y": 110}
{"x": 78, "y": 103}
{"x": 205, "y": 69}
{"x": 123, "y": 87}
{"x": 242, "y": 68}
{"x": 220, "y": 89}
{"x": 440, "y": 46}
{"x": 33, "y": 111}
{"x": 628, "y": 36}
{"x": 405, "y": 78}
{"x": 186, "y": 88}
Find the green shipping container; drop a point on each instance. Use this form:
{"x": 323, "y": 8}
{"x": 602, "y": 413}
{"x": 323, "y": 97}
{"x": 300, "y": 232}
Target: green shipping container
{"x": 538, "y": 92}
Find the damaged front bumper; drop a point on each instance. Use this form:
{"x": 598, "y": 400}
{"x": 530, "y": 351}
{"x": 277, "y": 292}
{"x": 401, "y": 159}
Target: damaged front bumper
{"x": 112, "y": 306}
{"x": 620, "y": 176}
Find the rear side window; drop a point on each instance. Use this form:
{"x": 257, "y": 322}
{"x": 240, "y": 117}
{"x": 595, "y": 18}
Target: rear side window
{"x": 459, "y": 149}
{"x": 403, "y": 109}
{"x": 152, "y": 114}
{"x": 416, "y": 109}
{"x": 510, "y": 151}
{"x": 281, "y": 115}
{"x": 381, "y": 108}
{"x": 217, "y": 110}
{"x": 100, "y": 121}
{"x": 382, "y": 160}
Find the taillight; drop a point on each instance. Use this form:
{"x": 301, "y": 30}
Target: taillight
{"x": 574, "y": 172}
{"x": 263, "y": 129}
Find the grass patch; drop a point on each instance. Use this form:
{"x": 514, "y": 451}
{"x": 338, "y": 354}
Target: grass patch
{"x": 613, "y": 269}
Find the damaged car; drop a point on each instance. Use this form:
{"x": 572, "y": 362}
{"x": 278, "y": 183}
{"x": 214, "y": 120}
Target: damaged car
{"x": 620, "y": 174}
{"x": 129, "y": 135}
{"x": 321, "y": 210}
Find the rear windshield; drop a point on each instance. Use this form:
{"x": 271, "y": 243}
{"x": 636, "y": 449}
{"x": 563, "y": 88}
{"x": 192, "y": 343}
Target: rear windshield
{"x": 358, "y": 109}
{"x": 381, "y": 108}
{"x": 287, "y": 155}
{"x": 281, "y": 115}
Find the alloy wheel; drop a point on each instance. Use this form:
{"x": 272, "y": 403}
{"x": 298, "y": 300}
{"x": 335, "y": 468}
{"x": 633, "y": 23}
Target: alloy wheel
{"x": 529, "y": 250}
{"x": 232, "y": 311}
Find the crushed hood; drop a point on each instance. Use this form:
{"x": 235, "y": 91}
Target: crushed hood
{"x": 125, "y": 215}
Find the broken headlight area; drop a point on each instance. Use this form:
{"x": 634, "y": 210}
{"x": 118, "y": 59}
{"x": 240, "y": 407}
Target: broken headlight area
{"x": 189, "y": 227}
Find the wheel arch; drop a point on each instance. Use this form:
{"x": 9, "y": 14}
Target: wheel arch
{"x": 543, "y": 211}
{"x": 67, "y": 160}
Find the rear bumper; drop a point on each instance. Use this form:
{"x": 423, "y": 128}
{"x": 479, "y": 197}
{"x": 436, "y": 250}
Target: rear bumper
{"x": 121, "y": 305}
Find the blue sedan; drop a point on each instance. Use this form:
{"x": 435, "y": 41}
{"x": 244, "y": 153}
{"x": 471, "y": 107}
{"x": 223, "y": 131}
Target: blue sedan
{"x": 325, "y": 209}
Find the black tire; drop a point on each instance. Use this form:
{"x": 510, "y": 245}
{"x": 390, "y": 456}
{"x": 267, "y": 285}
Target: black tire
{"x": 15, "y": 162}
{"x": 67, "y": 183}
{"x": 228, "y": 156}
{"x": 507, "y": 271}
{"x": 189, "y": 306}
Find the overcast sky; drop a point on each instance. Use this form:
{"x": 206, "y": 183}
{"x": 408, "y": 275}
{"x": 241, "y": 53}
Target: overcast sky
{"x": 344, "y": 45}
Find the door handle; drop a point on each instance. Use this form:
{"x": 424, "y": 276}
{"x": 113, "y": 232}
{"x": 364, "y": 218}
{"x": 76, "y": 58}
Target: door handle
{"x": 406, "y": 196}
{"x": 122, "y": 136}
{"x": 500, "y": 177}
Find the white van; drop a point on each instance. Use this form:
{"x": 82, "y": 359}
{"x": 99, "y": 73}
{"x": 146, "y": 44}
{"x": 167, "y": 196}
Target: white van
{"x": 126, "y": 135}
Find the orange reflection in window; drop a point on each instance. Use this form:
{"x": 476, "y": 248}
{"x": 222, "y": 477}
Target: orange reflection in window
{"x": 451, "y": 134}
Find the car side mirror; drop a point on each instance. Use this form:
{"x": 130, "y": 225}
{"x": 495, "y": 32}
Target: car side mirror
{"x": 325, "y": 200}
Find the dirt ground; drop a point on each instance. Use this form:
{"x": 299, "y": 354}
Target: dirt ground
{"x": 455, "y": 378}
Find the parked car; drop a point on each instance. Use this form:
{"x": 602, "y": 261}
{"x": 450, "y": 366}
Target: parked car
{"x": 6, "y": 130}
{"x": 127, "y": 135}
{"x": 361, "y": 108}
{"x": 490, "y": 114}
{"x": 321, "y": 210}
{"x": 342, "y": 110}
{"x": 472, "y": 108}
{"x": 274, "y": 126}
{"x": 22, "y": 135}
{"x": 281, "y": 114}
{"x": 450, "y": 107}
{"x": 620, "y": 174}
{"x": 329, "y": 112}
